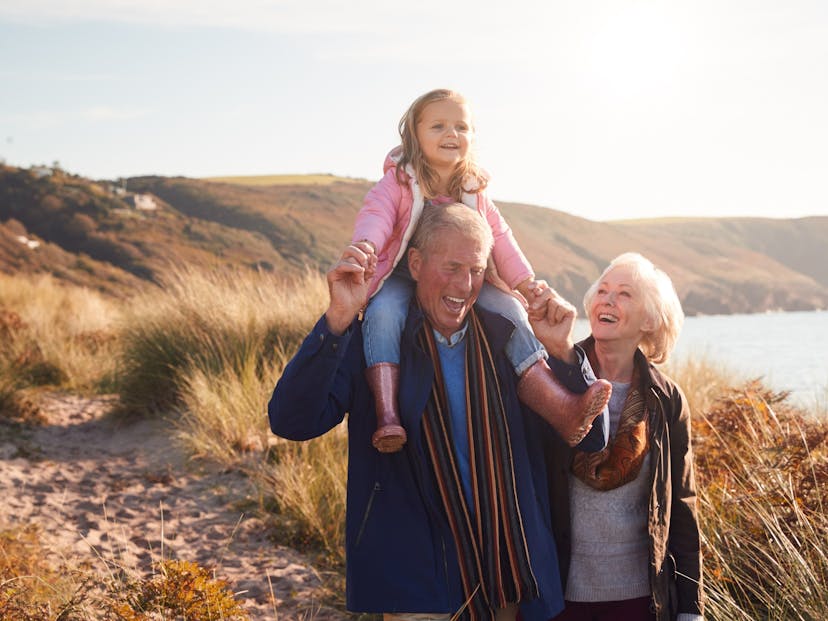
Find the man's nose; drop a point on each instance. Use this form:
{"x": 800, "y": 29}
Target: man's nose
{"x": 464, "y": 281}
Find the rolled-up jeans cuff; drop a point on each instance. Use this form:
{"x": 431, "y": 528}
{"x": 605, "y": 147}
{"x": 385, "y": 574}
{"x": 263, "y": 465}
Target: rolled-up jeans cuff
{"x": 521, "y": 368}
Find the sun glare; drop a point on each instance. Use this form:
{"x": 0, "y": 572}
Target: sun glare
{"x": 634, "y": 48}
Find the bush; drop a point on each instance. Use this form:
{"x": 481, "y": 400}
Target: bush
{"x": 180, "y": 590}
{"x": 762, "y": 470}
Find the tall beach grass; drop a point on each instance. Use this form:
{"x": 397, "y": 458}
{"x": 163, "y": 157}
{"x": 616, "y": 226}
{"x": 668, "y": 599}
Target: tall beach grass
{"x": 55, "y": 335}
{"x": 211, "y": 323}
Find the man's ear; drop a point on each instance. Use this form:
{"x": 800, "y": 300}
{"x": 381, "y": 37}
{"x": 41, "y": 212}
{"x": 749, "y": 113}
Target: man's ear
{"x": 415, "y": 262}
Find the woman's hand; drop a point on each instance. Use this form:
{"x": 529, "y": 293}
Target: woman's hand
{"x": 552, "y": 319}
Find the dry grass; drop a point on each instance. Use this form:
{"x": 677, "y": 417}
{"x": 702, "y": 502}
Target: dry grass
{"x": 763, "y": 480}
{"x": 306, "y": 481}
{"x": 33, "y": 589}
{"x": 702, "y": 379}
{"x": 55, "y": 335}
{"x": 208, "y": 324}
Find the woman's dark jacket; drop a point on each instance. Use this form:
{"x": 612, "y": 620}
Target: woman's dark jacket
{"x": 675, "y": 555}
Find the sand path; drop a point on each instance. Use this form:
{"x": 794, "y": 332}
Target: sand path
{"x": 122, "y": 494}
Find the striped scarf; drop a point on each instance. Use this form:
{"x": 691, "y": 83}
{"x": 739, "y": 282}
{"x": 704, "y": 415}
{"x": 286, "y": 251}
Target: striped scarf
{"x": 491, "y": 544}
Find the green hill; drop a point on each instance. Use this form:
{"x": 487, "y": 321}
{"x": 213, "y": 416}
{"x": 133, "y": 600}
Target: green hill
{"x": 87, "y": 232}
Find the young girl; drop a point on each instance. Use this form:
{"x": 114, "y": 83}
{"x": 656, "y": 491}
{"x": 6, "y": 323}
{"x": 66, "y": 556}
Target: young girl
{"x": 435, "y": 166}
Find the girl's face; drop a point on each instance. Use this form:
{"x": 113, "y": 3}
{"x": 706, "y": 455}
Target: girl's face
{"x": 444, "y": 132}
{"x": 617, "y": 312}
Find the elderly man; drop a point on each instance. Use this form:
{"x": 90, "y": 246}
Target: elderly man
{"x": 458, "y": 520}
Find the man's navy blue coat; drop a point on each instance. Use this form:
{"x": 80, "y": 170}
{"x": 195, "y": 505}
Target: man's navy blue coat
{"x": 400, "y": 555}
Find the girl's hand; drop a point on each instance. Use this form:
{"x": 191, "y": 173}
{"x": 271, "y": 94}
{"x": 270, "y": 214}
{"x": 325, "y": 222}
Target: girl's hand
{"x": 367, "y": 246}
{"x": 533, "y": 289}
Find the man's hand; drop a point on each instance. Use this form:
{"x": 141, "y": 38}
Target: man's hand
{"x": 348, "y": 284}
{"x": 552, "y": 319}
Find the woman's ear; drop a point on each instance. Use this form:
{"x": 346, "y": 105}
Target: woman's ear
{"x": 415, "y": 261}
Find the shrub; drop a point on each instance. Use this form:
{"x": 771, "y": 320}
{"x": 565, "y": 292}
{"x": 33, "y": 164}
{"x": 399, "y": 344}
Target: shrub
{"x": 762, "y": 469}
{"x": 180, "y": 590}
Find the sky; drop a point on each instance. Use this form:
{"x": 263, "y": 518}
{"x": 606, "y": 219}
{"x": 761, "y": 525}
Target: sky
{"x": 605, "y": 109}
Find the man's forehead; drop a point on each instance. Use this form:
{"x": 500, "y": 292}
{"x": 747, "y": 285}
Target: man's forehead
{"x": 450, "y": 242}
{"x": 471, "y": 254}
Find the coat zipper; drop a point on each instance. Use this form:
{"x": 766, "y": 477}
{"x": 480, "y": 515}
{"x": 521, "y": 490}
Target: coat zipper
{"x": 367, "y": 512}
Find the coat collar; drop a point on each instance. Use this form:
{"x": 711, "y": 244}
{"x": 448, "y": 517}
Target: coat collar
{"x": 650, "y": 376}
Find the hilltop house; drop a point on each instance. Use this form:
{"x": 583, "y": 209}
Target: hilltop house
{"x": 143, "y": 202}
{"x": 41, "y": 171}
{"x": 31, "y": 244}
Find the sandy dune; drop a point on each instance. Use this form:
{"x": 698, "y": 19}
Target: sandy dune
{"x": 122, "y": 494}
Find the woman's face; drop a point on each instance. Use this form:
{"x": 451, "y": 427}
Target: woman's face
{"x": 617, "y": 312}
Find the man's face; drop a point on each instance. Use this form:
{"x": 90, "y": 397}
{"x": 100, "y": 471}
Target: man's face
{"x": 449, "y": 277}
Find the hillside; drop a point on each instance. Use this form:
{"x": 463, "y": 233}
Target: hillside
{"x": 85, "y": 232}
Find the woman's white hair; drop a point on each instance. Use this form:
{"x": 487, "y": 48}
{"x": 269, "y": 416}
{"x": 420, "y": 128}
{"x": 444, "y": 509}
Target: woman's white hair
{"x": 661, "y": 303}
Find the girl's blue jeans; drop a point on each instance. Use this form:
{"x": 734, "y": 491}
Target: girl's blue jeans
{"x": 385, "y": 315}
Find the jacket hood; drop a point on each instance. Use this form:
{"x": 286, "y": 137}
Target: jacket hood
{"x": 393, "y": 158}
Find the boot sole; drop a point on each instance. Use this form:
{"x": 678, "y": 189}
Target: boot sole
{"x": 389, "y": 439}
{"x": 598, "y": 400}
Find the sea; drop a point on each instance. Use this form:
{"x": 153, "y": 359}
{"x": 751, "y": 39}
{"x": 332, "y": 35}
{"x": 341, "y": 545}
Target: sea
{"x": 787, "y": 350}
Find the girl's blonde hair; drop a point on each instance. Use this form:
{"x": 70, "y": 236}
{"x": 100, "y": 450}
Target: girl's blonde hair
{"x": 467, "y": 177}
{"x": 661, "y": 303}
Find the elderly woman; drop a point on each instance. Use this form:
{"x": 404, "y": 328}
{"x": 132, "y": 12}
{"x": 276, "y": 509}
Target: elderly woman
{"x": 625, "y": 518}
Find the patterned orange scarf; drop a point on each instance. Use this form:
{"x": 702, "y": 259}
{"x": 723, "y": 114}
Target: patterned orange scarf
{"x": 620, "y": 461}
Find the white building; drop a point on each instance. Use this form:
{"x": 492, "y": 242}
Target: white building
{"x": 144, "y": 202}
